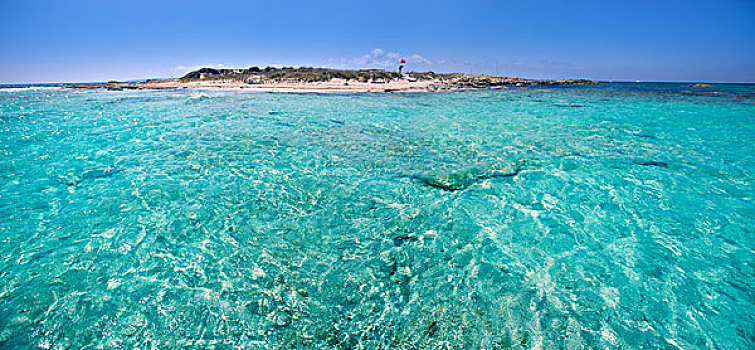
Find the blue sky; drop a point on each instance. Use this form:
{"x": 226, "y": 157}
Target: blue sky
{"x": 74, "y": 41}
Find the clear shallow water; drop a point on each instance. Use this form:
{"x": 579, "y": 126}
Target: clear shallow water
{"x": 617, "y": 216}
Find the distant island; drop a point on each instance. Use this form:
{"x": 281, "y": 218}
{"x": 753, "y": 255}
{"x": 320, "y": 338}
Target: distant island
{"x": 308, "y": 79}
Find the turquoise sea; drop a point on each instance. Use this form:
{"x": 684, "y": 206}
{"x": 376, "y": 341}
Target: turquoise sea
{"x": 620, "y": 216}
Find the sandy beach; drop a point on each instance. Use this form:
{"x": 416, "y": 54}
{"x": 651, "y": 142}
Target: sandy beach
{"x": 332, "y": 86}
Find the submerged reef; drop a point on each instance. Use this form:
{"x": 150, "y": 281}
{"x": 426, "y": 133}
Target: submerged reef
{"x": 460, "y": 179}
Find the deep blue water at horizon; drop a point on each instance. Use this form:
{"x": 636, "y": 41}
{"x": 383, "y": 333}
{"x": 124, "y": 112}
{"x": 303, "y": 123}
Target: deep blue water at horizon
{"x": 616, "y": 216}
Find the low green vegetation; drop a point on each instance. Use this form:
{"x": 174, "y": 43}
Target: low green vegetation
{"x": 301, "y": 74}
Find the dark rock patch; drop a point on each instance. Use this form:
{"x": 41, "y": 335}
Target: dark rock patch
{"x": 647, "y": 136}
{"x": 654, "y": 163}
{"x": 401, "y": 239}
{"x": 432, "y": 328}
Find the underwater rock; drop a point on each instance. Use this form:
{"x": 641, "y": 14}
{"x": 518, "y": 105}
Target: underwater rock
{"x": 432, "y": 328}
{"x": 701, "y": 85}
{"x": 89, "y": 174}
{"x": 99, "y": 172}
{"x": 654, "y": 163}
{"x": 459, "y": 180}
{"x": 566, "y": 105}
{"x": 647, "y": 136}
{"x": 401, "y": 239}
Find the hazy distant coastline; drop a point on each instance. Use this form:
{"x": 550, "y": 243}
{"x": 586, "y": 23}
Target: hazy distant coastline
{"x": 308, "y": 79}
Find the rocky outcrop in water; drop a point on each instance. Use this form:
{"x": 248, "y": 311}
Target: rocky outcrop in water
{"x": 309, "y": 79}
{"x": 309, "y": 74}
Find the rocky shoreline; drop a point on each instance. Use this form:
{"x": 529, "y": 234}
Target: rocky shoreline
{"x": 329, "y": 80}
